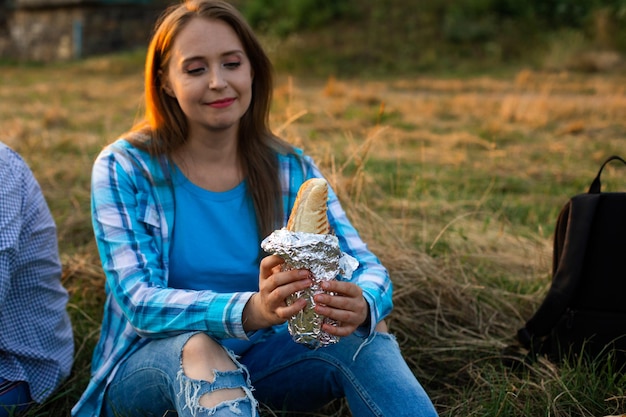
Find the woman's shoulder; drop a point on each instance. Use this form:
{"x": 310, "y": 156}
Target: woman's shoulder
{"x": 135, "y": 161}
{"x": 124, "y": 148}
{"x": 295, "y": 156}
{"x": 296, "y": 167}
{"x": 289, "y": 153}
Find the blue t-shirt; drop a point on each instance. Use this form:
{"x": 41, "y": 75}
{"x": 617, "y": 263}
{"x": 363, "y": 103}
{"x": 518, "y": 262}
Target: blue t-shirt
{"x": 215, "y": 243}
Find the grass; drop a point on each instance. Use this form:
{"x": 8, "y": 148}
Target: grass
{"x": 455, "y": 184}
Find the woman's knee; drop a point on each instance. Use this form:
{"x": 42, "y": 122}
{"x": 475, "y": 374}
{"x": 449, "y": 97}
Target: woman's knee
{"x": 202, "y": 355}
{"x": 212, "y": 378}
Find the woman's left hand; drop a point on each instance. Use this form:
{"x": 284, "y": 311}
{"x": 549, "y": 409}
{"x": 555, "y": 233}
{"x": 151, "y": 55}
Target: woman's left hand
{"x": 347, "y": 307}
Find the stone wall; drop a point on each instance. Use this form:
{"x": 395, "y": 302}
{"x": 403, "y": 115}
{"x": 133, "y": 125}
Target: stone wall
{"x": 75, "y": 30}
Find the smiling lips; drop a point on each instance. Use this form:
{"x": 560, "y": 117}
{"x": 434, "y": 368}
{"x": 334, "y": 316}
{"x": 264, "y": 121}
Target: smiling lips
{"x": 220, "y": 104}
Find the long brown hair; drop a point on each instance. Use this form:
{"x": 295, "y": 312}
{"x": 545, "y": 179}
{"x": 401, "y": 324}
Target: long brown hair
{"x": 164, "y": 128}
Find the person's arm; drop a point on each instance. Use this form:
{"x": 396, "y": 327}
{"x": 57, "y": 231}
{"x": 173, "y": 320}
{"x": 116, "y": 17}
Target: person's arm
{"x": 5, "y": 262}
{"x": 128, "y": 224}
{"x": 11, "y": 196}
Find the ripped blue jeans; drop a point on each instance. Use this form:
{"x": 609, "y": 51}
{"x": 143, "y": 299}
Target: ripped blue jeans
{"x": 372, "y": 376}
{"x": 151, "y": 383}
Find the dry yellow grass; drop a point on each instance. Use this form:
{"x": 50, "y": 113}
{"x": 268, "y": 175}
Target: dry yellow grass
{"x": 454, "y": 183}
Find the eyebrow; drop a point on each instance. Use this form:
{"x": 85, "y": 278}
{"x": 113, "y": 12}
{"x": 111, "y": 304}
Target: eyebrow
{"x": 222, "y": 55}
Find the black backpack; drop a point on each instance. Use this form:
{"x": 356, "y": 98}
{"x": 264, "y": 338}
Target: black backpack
{"x": 584, "y": 311}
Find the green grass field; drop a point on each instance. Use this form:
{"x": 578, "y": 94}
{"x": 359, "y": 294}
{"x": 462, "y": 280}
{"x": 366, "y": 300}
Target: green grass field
{"x": 454, "y": 183}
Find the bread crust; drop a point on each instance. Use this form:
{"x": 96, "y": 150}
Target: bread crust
{"x": 309, "y": 212}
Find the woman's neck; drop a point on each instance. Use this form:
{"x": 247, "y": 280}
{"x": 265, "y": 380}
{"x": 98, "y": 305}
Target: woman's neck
{"x": 210, "y": 162}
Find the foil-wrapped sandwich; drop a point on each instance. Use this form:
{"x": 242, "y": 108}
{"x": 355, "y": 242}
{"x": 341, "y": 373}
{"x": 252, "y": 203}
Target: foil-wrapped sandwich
{"x": 306, "y": 244}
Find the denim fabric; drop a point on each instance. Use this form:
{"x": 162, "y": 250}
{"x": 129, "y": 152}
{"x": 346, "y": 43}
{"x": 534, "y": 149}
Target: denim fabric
{"x": 14, "y": 397}
{"x": 371, "y": 374}
{"x": 151, "y": 382}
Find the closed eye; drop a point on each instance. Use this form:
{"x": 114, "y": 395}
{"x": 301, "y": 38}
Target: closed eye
{"x": 196, "y": 71}
{"x": 232, "y": 65}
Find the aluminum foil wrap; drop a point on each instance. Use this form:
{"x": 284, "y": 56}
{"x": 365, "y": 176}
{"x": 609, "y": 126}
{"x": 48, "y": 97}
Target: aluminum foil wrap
{"x": 321, "y": 255}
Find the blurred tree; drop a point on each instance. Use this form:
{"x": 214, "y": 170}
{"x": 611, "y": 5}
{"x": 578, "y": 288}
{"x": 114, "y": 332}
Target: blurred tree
{"x": 283, "y": 17}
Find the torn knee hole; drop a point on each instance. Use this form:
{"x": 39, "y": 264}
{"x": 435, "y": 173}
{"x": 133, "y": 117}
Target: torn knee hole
{"x": 227, "y": 388}
{"x": 214, "y": 398}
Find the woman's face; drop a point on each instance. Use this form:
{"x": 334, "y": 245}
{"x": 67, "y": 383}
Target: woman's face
{"x": 210, "y": 76}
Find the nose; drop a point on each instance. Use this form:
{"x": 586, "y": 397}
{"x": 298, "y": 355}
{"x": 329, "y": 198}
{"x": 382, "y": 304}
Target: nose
{"x": 216, "y": 79}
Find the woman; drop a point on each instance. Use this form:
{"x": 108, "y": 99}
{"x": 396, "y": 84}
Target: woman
{"x": 195, "y": 316}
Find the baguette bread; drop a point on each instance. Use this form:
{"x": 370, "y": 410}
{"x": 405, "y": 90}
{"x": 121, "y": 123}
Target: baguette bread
{"x": 308, "y": 214}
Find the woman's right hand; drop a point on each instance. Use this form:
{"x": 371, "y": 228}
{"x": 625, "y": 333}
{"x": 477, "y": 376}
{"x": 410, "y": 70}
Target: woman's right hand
{"x": 269, "y": 307}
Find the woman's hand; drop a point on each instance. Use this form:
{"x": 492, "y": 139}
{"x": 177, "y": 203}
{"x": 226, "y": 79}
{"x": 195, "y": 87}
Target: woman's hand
{"x": 268, "y": 307}
{"x": 347, "y": 306}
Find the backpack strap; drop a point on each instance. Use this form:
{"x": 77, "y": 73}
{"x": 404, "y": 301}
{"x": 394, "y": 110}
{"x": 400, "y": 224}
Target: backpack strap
{"x": 596, "y": 185}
